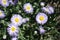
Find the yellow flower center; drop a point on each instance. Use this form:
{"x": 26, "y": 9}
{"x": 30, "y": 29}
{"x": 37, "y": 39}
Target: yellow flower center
{"x": 16, "y": 19}
{"x": 28, "y": 8}
{"x": 13, "y": 29}
{"x": 0, "y": 13}
{"x": 4, "y": 1}
{"x": 41, "y": 18}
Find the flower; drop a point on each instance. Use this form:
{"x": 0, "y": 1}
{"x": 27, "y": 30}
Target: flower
{"x": 13, "y": 2}
{"x": 41, "y": 18}
{"x": 4, "y": 3}
{"x": 16, "y": 19}
{"x": 48, "y": 9}
{"x": 2, "y": 15}
{"x": 42, "y": 4}
{"x": 35, "y": 32}
{"x": 28, "y": 8}
{"x": 42, "y": 30}
{"x": 13, "y": 30}
{"x": 14, "y": 38}
{"x": 25, "y": 20}
{"x": 4, "y": 36}
{"x": 51, "y": 9}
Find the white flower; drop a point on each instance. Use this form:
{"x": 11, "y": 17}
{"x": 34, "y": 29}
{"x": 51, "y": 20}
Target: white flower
{"x": 35, "y": 32}
{"x": 25, "y": 20}
{"x": 28, "y": 8}
{"x": 48, "y": 9}
{"x": 16, "y": 19}
{"x": 14, "y": 38}
{"x": 42, "y": 30}
{"x": 42, "y": 4}
{"x": 13, "y": 30}
{"x": 4, "y": 3}
{"x": 2, "y": 15}
{"x": 13, "y": 2}
{"x": 41, "y": 18}
{"x": 51, "y": 9}
{"x": 4, "y": 36}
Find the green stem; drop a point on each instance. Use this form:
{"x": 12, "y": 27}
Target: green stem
{"x": 22, "y": 38}
{"x": 5, "y": 11}
{"x": 41, "y": 37}
{"x": 36, "y": 11}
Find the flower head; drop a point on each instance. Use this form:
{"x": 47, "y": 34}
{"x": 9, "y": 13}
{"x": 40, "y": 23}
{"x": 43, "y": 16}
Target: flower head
{"x": 28, "y": 8}
{"x": 25, "y": 20}
{"x": 4, "y": 36}
{"x": 41, "y": 18}
{"x": 48, "y": 9}
{"x": 13, "y": 2}
{"x": 42, "y": 4}
{"x": 2, "y": 15}
{"x": 4, "y": 3}
{"x": 13, "y": 30}
{"x": 51, "y": 9}
{"x": 35, "y": 32}
{"x": 42, "y": 30}
{"x": 16, "y": 19}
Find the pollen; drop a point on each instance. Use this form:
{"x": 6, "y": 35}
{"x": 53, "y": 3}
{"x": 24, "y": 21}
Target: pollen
{"x": 16, "y": 19}
{"x": 4, "y": 1}
{"x": 13, "y": 29}
{"x": 41, "y": 18}
{"x": 28, "y": 8}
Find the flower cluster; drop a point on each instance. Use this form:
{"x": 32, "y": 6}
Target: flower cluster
{"x": 5, "y": 3}
{"x": 17, "y": 20}
{"x": 42, "y": 17}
